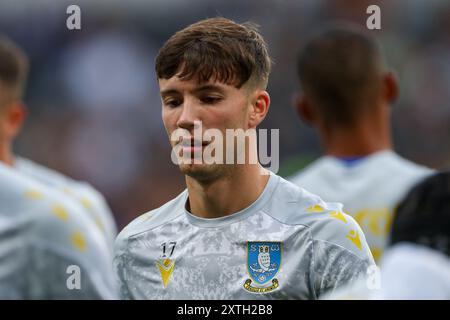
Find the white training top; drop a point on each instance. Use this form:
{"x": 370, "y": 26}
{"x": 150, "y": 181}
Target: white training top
{"x": 48, "y": 247}
{"x": 408, "y": 271}
{"x": 91, "y": 200}
{"x": 288, "y": 244}
{"x": 369, "y": 188}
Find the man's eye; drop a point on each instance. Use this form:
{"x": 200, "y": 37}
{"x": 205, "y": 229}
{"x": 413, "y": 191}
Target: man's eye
{"x": 172, "y": 103}
{"x": 210, "y": 100}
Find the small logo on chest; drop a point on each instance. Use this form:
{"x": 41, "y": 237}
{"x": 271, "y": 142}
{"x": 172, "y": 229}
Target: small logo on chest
{"x": 263, "y": 264}
{"x": 165, "y": 263}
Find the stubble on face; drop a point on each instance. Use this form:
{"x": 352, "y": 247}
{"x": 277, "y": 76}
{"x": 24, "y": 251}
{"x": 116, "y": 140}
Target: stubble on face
{"x": 230, "y": 113}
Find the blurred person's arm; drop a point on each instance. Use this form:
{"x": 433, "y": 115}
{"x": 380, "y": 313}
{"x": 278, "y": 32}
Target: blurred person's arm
{"x": 68, "y": 258}
{"x": 91, "y": 199}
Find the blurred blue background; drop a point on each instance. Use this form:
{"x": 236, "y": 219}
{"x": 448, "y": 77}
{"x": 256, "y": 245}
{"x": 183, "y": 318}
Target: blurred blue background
{"x": 94, "y": 108}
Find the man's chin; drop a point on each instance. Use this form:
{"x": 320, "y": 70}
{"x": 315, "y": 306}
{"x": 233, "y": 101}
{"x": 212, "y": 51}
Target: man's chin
{"x": 201, "y": 172}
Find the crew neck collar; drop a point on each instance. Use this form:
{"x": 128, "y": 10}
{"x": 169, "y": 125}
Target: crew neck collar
{"x": 355, "y": 160}
{"x": 237, "y": 216}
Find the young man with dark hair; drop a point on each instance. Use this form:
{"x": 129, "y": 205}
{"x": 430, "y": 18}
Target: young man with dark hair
{"x": 237, "y": 231}
{"x": 346, "y": 95}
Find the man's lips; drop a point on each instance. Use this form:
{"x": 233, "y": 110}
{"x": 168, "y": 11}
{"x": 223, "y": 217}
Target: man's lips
{"x": 192, "y": 147}
{"x": 193, "y": 143}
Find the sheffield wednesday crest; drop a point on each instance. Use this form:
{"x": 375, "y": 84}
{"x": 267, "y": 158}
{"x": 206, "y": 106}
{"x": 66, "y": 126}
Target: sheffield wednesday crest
{"x": 263, "y": 264}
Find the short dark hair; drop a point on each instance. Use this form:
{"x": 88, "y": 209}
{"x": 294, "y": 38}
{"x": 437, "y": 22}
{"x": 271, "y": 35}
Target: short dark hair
{"x": 338, "y": 69}
{"x": 423, "y": 216}
{"x": 216, "y": 49}
{"x": 13, "y": 70}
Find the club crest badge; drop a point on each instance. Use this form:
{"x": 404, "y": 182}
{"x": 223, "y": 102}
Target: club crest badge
{"x": 263, "y": 264}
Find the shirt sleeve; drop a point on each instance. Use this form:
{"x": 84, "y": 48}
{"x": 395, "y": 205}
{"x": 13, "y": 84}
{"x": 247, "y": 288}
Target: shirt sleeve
{"x": 335, "y": 267}
{"x": 69, "y": 257}
{"x": 341, "y": 254}
{"x": 96, "y": 205}
{"x": 121, "y": 262}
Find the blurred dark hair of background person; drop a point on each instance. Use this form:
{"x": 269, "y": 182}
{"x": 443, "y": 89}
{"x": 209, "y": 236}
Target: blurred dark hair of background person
{"x": 417, "y": 263}
{"x": 423, "y": 217}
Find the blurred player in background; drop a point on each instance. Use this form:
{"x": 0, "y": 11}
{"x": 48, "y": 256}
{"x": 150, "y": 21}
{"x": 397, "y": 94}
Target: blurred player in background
{"x": 49, "y": 248}
{"x": 13, "y": 74}
{"x": 46, "y": 233}
{"x": 238, "y": 231}
{"x": 346, "y": 94}
{"x": 416, "y": 264}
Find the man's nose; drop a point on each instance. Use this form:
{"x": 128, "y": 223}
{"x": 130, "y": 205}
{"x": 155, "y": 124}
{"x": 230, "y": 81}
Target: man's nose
{"x": 189, "y": 116}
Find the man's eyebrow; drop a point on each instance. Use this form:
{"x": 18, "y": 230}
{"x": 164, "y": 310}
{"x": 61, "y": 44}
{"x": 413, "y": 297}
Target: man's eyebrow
{"x": 208, "y": 87}
{"x": 168, "y": 92}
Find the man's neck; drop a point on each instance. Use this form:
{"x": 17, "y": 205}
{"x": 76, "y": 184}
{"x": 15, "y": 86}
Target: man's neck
{"x": 6, "y": 155}
{"x": 359, "y": 140}
{"x": 226, "y": 195}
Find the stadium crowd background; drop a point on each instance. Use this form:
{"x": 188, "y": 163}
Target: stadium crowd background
{"x": 95, "y": 112}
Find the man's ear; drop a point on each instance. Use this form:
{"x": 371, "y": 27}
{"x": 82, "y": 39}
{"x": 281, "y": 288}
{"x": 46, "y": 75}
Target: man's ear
{"x": 304, "y": 110}
{"x": 15, "y": 115}
{"x": 390, "y": 87}
{"x": 260, "y": 106}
